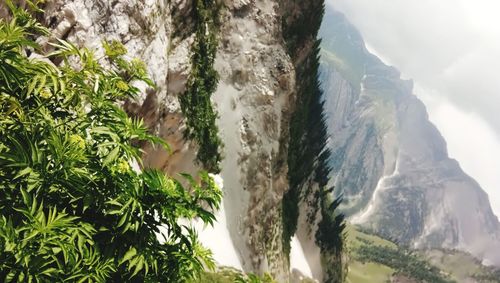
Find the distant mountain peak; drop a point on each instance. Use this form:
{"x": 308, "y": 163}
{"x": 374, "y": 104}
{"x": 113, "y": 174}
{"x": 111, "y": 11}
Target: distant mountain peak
{"x": 389, "y": 161}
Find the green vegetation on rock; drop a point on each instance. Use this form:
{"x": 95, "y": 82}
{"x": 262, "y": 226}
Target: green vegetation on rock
{"x": 306, "y": 151}
{"x": 461, "y": 266}
{"x": 340, "y": 47}
{"x": 230, "y": 275}
{"x": 308, "y": 157}
{"x": 403, "y": 261}
{"x": 72, "y": 208}
{"x": 374, "y": 258}
{"x": 350, "y": 73}
{"x": 202, "y": 83}
{"x": 302, "y": 27}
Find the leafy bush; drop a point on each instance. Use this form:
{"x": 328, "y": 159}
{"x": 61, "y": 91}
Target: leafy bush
{"x": 72, "y": 208}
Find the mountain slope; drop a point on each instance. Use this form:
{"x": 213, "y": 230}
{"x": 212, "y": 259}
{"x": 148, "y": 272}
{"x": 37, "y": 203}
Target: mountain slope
{"x": 376, "y": 260}
{"x": 389, "y": 162}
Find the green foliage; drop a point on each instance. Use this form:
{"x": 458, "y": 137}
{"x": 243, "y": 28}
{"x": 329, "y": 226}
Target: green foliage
{"x": 341, "y": 48}
{"x": 328, "y": 236}
{"x": 403, "y": 261}
{"x": 308, "y": 156}
{"x": 253, "y": 278}
{"x": 202, "y": 83}
{"x": 71, "y": 207}
{"x": 490, "y": 275}
{"x": 229, "y": 275}
{"x": 461, "y": 266}
{"x": 302, "y": 27}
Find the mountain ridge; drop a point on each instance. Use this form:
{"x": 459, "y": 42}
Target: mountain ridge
{"x": 390, "y": 162}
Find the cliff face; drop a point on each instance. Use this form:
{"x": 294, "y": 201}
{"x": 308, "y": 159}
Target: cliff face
{"x": 389, "y": 162}
{"x": 254, "y": 99}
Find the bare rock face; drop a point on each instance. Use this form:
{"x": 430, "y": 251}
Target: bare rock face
{"x": 390, "y": 163}
{"x": 253, "y": 106}
{"x": 239, "y": 4}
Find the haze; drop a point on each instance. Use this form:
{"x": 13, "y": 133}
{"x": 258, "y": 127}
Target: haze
{"x": 451, "y": 49}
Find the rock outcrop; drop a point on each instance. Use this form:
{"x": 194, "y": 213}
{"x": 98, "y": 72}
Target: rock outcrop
{"x": 254, "y": 99}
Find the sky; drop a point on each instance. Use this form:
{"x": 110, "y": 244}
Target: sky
{"x": 451, "y": 49}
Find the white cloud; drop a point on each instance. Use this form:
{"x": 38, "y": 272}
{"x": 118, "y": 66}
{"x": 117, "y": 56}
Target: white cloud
{"x": 470, "y": 140}
{"x": 451, "y": 48}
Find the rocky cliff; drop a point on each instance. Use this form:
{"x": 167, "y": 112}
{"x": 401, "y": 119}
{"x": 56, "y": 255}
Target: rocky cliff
{"x": 389, "y": 162}
{"x": 237, "y": 60}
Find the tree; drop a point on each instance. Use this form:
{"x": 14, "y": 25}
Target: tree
{"x": 71, "y": 206}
